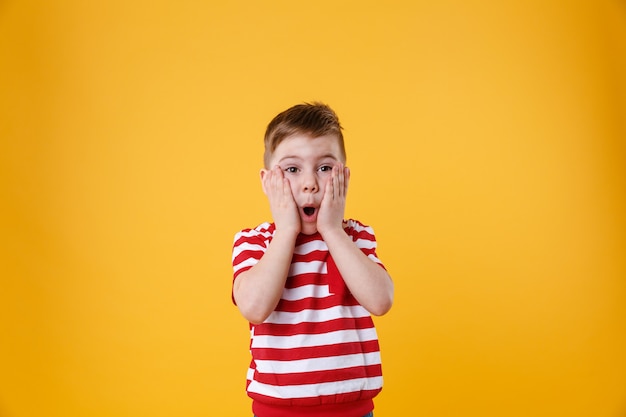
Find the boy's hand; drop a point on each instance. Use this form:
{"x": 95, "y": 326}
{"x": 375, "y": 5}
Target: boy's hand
{"x": 282, "y": 204}
{"x": 333, "y": 205}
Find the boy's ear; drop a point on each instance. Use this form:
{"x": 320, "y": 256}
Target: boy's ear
{"x": 262, "y": 174}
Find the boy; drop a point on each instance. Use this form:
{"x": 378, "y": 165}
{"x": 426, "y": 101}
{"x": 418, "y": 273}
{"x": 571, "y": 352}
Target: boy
{"x": 308, "y": 282}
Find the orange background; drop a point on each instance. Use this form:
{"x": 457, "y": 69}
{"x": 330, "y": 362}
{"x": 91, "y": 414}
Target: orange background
{"x": 487, "y": 146}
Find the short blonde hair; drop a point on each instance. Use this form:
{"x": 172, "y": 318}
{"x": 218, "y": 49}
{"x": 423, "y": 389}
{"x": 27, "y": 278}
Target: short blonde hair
{"x": 314, "y": 119}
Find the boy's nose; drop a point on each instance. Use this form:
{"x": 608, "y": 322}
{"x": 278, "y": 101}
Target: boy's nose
{"x": 310, "y": 185}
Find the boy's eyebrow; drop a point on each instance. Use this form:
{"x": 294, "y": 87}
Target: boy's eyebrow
{"x": 328, "y": 155}
{"x": 288, "y": 157}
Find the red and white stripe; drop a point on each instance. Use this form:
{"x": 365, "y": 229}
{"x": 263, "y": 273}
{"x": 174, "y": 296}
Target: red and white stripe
{"x": 319, "y": 345}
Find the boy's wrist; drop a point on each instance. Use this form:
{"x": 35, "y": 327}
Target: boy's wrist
{"x": 286, "y": 232}
{"x": 332, "y": 232}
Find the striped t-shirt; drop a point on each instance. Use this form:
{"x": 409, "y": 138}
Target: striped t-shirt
{"x": 318, "y": 349}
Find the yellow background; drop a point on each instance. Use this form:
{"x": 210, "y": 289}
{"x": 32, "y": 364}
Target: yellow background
{"x": 487, "y": 146}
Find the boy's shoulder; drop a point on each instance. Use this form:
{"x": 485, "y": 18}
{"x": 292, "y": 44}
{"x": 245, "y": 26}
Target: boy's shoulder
{"x": 354, "y": 224}
{"x": 265, "y": 227}
{"x": 264, "y": 230}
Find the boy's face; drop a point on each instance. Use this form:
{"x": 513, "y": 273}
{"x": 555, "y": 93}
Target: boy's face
{"x": 307, "y": 163}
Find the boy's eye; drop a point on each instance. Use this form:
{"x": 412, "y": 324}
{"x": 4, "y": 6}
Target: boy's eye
{"x": 291, "y": 170}
{"x": 326, "y": 168}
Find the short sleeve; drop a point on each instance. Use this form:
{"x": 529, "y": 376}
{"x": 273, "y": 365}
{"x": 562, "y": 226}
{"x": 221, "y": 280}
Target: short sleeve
{"x": 363, "y": 236}
{"x": 249, "y": 246}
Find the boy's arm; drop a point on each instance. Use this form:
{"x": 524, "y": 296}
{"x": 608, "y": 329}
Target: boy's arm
{"x": 258, "y": 290}
{"x": 368, "y": 282}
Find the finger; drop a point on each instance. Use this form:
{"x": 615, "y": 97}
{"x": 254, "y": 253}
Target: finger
{"x": 273, "y": 181}
{"x": 340, "y": 180}
{"x": 277, "y": 180}
{"x": 286, "y": 188}
{"x": 336, "y": 183}
{"x": 346, "y": 180}
{"x": 338, "y": 174}
{"x": 328, "y": 192}
{"x": 283, "y": 184}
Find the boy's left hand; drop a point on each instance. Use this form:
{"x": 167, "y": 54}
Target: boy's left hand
{"x": 333, "y": 204}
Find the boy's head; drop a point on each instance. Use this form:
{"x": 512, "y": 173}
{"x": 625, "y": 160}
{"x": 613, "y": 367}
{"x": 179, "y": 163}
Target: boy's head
{"x": 311, "y": 119}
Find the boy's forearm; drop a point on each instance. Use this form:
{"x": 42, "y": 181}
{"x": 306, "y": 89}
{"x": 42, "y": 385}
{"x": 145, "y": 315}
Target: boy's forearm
{"x": 368, "y": 282}
{"x": 257, "y": 291}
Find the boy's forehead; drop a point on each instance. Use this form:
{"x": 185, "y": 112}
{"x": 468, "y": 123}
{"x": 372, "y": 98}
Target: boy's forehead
{"x": 309, "y": 141}
{"x": 300, "y": 145}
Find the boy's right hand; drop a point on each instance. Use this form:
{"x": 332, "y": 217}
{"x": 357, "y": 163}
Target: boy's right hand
{"x": 282, "y": 204}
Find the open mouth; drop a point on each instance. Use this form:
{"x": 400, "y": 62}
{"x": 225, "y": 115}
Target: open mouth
{"x": 309, "y": 211}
